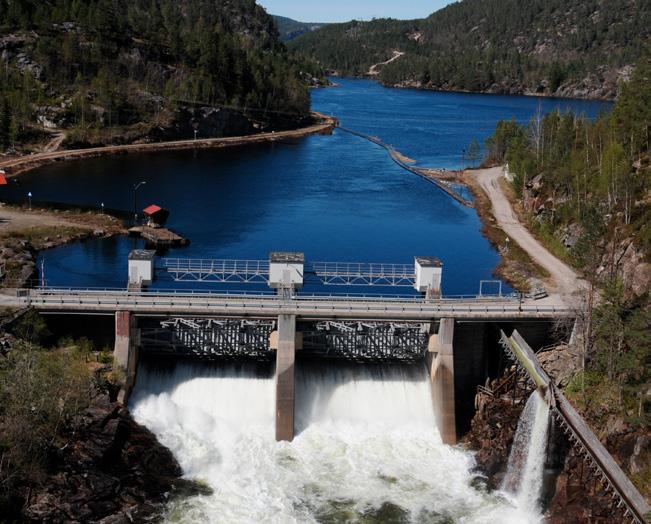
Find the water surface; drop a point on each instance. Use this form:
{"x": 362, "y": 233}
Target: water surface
{"x": 335, "y": 198}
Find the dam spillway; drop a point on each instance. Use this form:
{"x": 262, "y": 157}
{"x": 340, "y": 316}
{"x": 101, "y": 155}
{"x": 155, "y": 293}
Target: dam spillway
{"x": 367, "y": 447}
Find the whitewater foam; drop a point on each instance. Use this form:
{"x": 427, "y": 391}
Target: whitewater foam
{"x": 366, "y": 449}
{"x": 524, "y": 474}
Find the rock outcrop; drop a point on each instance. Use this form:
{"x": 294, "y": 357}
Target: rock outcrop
{"x": 113, "y": 471}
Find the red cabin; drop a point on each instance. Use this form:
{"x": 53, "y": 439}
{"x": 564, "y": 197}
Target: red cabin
{"x": 156, "y": 215}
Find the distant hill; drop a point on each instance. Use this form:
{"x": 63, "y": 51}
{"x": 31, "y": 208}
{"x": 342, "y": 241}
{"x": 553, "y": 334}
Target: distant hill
{"x": 290, "y": 29}
{"x": 576, "y": 48}
{"x": 110, "y": 71}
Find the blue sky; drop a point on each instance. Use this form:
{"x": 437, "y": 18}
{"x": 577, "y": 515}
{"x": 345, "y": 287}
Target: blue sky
{"x": 344, "y": 10}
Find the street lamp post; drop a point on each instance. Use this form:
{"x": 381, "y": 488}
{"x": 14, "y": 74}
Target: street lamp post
{"x": 29, "y": 198}
{"x": 135, "y": 201}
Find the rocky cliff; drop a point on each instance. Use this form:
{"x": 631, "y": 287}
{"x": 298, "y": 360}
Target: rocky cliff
{"x": 113, "y": 472}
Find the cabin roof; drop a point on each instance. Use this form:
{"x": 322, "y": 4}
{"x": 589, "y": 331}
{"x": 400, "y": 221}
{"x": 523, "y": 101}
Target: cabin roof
{"x": 152, "y": 210}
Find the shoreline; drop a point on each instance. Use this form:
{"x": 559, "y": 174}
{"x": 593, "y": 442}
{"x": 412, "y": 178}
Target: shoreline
{"x": 18, "y": 165}
{"x": 524, "y": 94}
{"x": 24, "y": 234}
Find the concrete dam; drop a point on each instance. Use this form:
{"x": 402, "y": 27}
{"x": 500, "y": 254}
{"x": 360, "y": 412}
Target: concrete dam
{"x": 304, "y": 363}
{"x": 456, "y": 339}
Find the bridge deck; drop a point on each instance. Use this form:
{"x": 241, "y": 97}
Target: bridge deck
{"x": 266, "y": 306}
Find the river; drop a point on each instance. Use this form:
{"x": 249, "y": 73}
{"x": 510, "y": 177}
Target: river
{"x": 367, "y": 449}
{"x": 335, "y": 198}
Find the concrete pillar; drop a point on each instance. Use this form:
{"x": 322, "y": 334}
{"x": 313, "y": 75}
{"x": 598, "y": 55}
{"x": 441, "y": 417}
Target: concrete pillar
{"x": 125, "y": 353}
{"x": 285, "y": 357}
{"x": 473, "y": 358}
{"x": 441, "y": 367}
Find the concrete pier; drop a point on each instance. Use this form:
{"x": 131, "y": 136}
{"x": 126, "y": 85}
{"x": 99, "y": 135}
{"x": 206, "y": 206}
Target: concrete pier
{"x": 285, "y": 358}
{"x": 125, "y": 352}
{"x": 440, "y": 360}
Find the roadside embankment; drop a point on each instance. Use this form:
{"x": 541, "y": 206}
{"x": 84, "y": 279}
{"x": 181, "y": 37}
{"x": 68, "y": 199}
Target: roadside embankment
{"x": 16, "y": 165}
{"x": 525, "y": 256}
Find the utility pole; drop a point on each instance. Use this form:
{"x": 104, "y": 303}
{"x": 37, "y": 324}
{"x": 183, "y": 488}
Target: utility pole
{"x": 135, "y": 201}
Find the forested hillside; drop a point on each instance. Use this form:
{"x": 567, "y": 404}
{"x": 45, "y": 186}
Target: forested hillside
{"x": 585, "y": 187}
{"x": 555, "y": 47}
{"x": 290, "y": 29}
{"x": 119, "y": 70}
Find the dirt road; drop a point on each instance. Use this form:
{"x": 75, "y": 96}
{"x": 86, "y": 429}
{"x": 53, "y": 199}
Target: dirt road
{"x": 20, "y": 221}
{"x": 375, "y": 69}
{"x": 563, "y": 279}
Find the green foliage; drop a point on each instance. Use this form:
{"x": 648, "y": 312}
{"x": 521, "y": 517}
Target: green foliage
{"x": 290, "y": 29}
{"x": 32, "y": 328}
{"x": 506, "y": 133}
{"x": 633, "y": 111}
{"x": 42, "y": 394}
{"x": 474, "y": 151}
{"x": 594, "y": 176}
{"x": 7, "y": 125}
{"x": 496, "y": 45}
{"x": 162, "y": 51}
{"x": 618, "y": 368}
{"x": 591, "y": 174}
{"x": 105, "y": 357}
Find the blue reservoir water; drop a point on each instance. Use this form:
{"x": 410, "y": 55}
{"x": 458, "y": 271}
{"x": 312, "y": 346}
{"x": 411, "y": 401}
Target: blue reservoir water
{"x": 335, "y": 198}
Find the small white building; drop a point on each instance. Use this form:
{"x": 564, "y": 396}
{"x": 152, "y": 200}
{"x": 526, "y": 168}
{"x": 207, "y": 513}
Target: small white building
{"x": 429, "y": 271}
{"x": 141, "y": 267}
{"x": 286, "y": 270}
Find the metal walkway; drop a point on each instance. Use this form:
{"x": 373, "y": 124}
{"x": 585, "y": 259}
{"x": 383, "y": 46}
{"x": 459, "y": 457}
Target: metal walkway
{"x": 218, "y": 270}
{"x": 257, "y": 271}
{"x": 578, "y": 432}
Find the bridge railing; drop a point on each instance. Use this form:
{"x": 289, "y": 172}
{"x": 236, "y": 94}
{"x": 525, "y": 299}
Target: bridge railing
{"x": 268, "y": 303}
{"x": 510, "y": 298}
{"x": 369, "y": 274}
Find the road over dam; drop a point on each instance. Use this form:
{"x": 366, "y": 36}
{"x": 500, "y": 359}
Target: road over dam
{"x": 171, "y": 303}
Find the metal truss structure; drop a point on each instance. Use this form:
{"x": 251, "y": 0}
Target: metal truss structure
{"x": 209, "y": 338}
{"x": 354, "y": 274}
{"x": 223, "y": 271}
{"x": 367, "y": 341}
{"x": 257, "y": 271}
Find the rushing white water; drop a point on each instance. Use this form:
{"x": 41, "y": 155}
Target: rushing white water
{"x": 367, "y": 449}
{"x": 524, "y": 476}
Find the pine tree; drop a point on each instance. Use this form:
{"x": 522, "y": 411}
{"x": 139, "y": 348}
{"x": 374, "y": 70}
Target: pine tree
{"x": 5, "y": 123}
